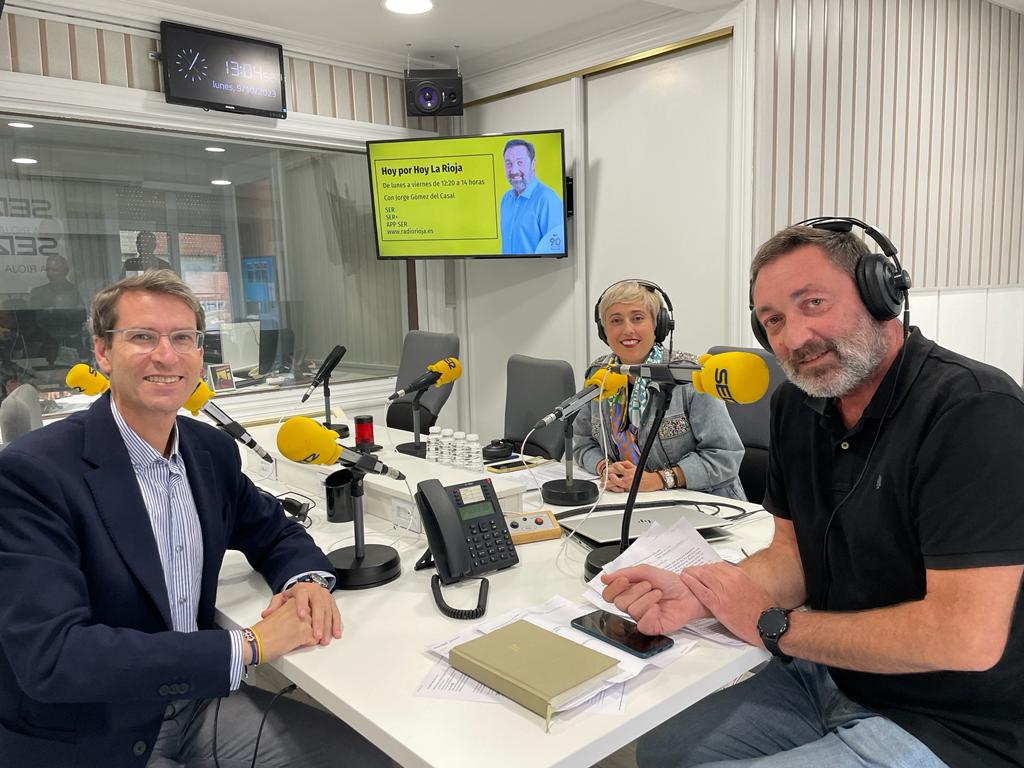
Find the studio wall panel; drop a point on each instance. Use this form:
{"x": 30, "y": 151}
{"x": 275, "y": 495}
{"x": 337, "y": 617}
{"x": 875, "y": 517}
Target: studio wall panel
{"x": 907, "y": 114}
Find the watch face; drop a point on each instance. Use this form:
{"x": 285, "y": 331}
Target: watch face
{"x": 773, "y": 622}
{"x": 191, "y": 64}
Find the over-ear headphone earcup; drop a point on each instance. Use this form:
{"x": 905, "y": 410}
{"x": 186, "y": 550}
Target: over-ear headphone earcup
{"x": 759, "y": 333}
{"x": 662, "y": 325}
{"x": 876, "y": 283}
{"x": 597, "y": 318}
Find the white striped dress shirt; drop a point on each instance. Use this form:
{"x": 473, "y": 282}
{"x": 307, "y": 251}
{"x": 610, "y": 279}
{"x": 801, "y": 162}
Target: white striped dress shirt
{"x": 175, "y": 521}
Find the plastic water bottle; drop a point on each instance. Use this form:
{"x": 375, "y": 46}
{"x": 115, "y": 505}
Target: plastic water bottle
{"x": 444, "y": 452}
{"x": 474, "y": 453}
{"x": 433, "y": 440}
{"x": 459, "y": 449}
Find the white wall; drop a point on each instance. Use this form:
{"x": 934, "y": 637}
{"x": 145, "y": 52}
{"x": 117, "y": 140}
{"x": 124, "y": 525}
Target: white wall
{"x": 525, "y": 306}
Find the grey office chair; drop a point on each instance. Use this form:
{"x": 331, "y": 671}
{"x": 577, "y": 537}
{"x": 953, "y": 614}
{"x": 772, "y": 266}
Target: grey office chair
{"x": 753, "y": 422}
{"x": 20, "y": 412}
{"x": 420, "y": 349}
{"x": 535, "y": 386}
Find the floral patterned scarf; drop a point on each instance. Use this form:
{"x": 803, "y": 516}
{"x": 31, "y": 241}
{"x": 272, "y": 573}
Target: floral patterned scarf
{"x": 625, "y": 413}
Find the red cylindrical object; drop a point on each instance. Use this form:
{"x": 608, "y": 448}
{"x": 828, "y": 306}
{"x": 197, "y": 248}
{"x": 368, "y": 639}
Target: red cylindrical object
{"x": 364, "y": 430}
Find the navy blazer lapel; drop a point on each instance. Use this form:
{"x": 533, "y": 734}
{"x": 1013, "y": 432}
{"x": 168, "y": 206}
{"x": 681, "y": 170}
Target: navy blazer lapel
{"x": 119, "y": 502}
{"x": 202, "y": 480}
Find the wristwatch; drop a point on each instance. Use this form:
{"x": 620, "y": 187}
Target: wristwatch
{"x": 771, "y": 626}
{"x": 668, "y": 478}
{"x": 315, "y": 578}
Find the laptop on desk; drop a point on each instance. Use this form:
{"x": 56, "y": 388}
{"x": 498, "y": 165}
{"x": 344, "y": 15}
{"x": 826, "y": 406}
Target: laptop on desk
{"x": 606, "y": 527}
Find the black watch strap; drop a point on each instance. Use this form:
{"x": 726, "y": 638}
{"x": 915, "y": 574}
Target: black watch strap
{"x": 772, "y": 624}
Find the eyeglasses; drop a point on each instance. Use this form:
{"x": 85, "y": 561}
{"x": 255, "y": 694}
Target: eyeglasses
{"x": 146, "y": 340}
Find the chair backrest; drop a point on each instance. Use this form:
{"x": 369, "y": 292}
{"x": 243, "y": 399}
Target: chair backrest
{"x": 420, "y": 349}
{"x": 753, "y": 423}
{"x": 534, "y": 387}
{"x": 20, "y": 412}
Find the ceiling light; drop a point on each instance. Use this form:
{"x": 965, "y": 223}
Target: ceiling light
{"x": 21, "y": 125}
{"x": 220, "y": 182}
{"x": 215, "y": 149}
{"x": 24, "y": 160}
{"x": 408, "y": 6}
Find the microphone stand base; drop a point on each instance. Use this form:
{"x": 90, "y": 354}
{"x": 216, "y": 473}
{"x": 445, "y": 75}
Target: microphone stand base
{"x": 378, "y": 565}
{"x": 598, "y": 559}
{"x": 413, "y": 449}
{"x": 562, "y": 494}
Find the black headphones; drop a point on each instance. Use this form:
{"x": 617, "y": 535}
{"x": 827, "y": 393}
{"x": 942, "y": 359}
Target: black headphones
{"x": 664, "y": 324}
{"x": 882, "y": 282}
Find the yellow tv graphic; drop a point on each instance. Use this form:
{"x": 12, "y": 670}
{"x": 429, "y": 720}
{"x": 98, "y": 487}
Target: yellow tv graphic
{"x": 469, "y": 196}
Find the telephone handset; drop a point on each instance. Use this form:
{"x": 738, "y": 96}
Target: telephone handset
{"x": 467, "y": 537}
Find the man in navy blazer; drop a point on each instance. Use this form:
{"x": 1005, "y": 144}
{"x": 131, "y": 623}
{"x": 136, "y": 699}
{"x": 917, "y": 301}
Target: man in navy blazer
{"x": 109, "y": 564}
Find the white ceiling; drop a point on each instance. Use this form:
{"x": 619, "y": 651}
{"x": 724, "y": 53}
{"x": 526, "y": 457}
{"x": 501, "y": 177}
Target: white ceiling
{"x": 490, "y": 33}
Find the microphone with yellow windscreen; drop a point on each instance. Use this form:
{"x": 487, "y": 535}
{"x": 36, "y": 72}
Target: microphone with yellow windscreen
{"x": 87, "y": 380}
{"x": 303, "y": 440}
{"x": 737, "y": 377}
{"x": 198, "y": 398}
{"x": 607, "y": 381}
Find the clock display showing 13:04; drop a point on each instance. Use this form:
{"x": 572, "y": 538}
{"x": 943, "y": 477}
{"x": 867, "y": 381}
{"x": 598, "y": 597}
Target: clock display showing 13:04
{"x": 249, "y": 71}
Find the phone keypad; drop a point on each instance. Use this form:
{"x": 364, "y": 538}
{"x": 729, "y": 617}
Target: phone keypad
{"x": 490, "y": 545}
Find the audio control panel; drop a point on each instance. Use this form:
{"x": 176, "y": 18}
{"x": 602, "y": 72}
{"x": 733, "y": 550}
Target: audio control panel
{"x": 533, "y": 526}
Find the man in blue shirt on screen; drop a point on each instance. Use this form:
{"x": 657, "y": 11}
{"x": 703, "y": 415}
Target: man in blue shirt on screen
{"x": 532, "y": 219}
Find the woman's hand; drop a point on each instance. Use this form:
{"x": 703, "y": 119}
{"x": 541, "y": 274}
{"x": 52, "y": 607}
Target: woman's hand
{"x": 620, "y": 477}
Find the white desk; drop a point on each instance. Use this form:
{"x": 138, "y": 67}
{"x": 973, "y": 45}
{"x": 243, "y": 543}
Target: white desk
{"x": 370, "y": 676}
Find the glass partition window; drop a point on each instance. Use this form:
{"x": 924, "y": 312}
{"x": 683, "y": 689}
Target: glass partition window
{"x": 276, "y": 241}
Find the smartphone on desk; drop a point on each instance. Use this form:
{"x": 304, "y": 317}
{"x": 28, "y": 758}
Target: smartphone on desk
{"x": 622, "y": 633}
{"x": 513, "y": 465}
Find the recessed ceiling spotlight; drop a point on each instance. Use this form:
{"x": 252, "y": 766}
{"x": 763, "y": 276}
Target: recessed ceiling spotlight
{"x": 408, "y": 6}
{"x": 215, "y": 149}
{"x": 220, "y": 182}
{"x": 24, "y": 160}
{"x": 20, "y": 125}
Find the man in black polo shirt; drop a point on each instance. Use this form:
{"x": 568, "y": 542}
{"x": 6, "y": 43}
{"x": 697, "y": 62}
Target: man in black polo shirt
{"x": 896, "y": 478}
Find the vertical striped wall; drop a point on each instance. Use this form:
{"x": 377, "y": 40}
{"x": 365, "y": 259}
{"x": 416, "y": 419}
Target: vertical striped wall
{"x": 908, "y": 114}
{"x": 39, "y": 46}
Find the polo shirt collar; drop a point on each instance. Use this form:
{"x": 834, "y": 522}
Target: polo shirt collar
{"x": 530, "y": 188}
{"x": 916, "y": 349}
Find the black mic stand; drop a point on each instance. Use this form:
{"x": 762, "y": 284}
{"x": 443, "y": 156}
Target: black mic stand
{"x": 415, "y": 448}
{"x": 600, "y": 557}
{"x": 363, "y": 565}
{"x": 342, "y": 429}
{"x": 568, "y": 492}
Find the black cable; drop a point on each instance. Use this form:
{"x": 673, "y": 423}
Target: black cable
{"x": 717, "y": 505}
{"x": 259, "y": 733}
{"x": 863, "y": 472}
{"x": 456, "y": 613}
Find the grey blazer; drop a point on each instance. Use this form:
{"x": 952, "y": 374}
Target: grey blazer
{"x": 696, "y": 434}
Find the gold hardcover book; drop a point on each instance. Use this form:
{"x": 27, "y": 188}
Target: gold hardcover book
{"x": 532, "y": 666}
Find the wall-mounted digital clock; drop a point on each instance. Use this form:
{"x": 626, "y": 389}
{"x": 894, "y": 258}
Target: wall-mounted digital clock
{"x": 216, "y": 70}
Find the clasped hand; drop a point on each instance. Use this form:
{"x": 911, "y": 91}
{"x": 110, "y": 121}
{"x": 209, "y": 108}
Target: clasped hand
{"x": 620, "y": 476}
{"x": 662, "y": 601}
{"x": 304, "y": 614}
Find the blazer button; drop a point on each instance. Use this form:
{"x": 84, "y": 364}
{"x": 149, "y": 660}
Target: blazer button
{"x": 164, "y": 690}
{"x": 184, "y": 688}
{"x": 139, "y": 748}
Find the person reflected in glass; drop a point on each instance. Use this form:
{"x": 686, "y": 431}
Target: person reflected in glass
{"x": 145, "y": 247}
{"x": 697, "y": 446}
{"x": 58, "y": 292}
{"x": 59, "y": 314}
{"x": 532, "y": 219}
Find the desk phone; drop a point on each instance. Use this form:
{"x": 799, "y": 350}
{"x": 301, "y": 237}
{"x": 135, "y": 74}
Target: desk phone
{"x": 467, "y": 537}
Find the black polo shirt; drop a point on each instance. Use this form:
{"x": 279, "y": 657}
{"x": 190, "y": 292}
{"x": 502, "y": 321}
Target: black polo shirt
{"x": 944, "y": 489}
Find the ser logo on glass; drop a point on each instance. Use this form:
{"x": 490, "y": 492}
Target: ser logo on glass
{"x": 191, "y": 64}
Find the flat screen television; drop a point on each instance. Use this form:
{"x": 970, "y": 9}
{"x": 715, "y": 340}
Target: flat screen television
{"x": 495, "y": 196}
{"x": 216, "y": 70}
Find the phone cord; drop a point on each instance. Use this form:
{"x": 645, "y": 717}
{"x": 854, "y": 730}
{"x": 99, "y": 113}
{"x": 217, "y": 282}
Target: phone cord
{"x": 455, "y": 613}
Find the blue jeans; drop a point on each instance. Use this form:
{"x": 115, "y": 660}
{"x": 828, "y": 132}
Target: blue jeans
{"x": 788, "y": 715}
